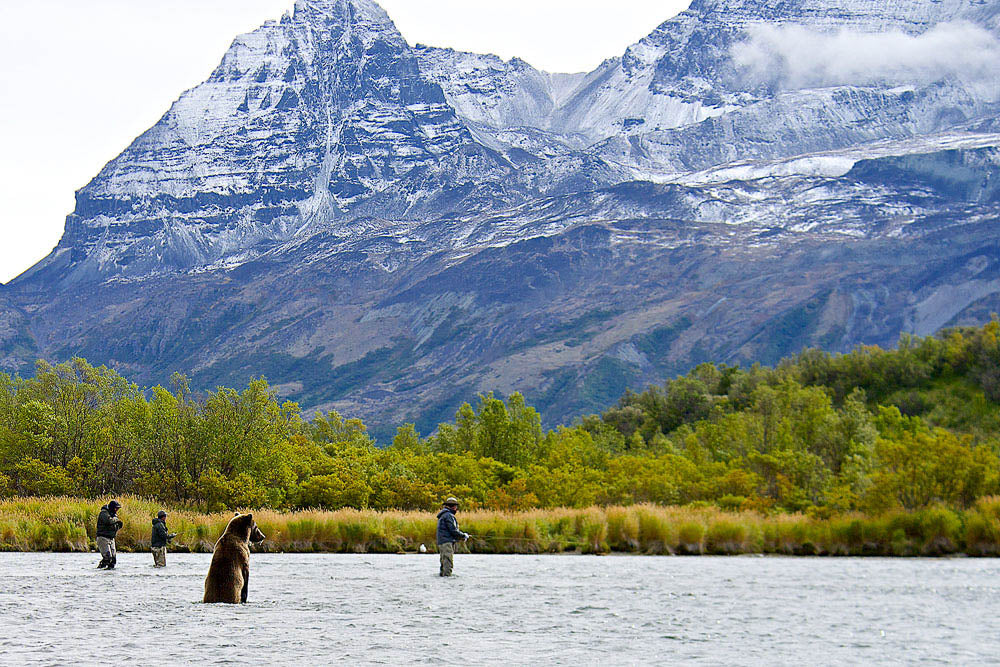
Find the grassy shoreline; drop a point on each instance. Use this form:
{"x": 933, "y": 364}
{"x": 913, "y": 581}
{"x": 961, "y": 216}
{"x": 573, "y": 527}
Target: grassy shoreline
{"x": 68, "y": 524}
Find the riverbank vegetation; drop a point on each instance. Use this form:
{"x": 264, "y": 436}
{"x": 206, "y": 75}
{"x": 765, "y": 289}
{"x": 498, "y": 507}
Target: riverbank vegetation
{"x": 881, "y": 433}
{"x": 67, "y": 524}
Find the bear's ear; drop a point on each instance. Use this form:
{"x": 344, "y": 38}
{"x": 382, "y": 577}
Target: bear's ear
{"x": 236, "y": 513}
{"x": 250, "y": 517}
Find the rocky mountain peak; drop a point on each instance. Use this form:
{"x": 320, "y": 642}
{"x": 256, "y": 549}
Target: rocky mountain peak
{"x": 329, "y": 115}
{"x": 344, "y": 21}
{"x": 341, "y": 11}
{"x": 387, "y": 230}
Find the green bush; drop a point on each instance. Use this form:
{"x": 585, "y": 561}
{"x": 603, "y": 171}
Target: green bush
{"x": 886, "y": 433}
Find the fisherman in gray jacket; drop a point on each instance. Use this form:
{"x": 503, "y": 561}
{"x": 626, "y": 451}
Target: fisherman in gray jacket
{"x": 447, "y": 534}
{"x": 108, "y": 525}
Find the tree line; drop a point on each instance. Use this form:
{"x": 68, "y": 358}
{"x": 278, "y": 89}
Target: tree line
{"x": 872, "y": 430}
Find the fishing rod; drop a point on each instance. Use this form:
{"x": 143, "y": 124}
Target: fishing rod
{"x": 177, "y": 535}
{"x": 535, "y": 541}
{"x": 500, "y": 537}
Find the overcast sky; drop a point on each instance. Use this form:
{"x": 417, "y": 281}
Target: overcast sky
{"x": 80, "y": 80}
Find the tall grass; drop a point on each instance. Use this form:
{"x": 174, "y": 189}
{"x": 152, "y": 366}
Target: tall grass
{"x": 68, "y": 524}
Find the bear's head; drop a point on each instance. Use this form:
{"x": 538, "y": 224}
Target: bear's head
{"x": 244, "y": 527}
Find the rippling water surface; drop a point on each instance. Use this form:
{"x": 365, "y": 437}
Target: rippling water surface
{"x": 311, "y": 609}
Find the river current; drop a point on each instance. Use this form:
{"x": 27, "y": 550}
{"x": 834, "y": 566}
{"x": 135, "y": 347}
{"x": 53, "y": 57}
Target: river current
{"x": 350, "y": 609}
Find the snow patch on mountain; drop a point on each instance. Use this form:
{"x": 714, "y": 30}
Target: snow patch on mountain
{"x": 833, "y": 163}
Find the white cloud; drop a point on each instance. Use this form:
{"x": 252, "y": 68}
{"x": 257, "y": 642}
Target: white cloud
{"x": 794, "y": 57}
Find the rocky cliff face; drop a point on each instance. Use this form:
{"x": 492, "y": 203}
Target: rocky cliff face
{"x": 304, "y": 120}
{"x": 388, "y": 229}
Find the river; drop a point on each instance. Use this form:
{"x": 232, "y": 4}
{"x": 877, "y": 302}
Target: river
{"x": 321, "y": 609}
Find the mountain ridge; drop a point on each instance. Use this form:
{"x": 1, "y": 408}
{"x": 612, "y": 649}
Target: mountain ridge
{"x": 387, "y": 230}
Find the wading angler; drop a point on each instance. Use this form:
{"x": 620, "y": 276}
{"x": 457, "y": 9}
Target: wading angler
{"x": 108, "y": 525}
{"x": 448, "y": 534}
{"x": 160, "y": 539}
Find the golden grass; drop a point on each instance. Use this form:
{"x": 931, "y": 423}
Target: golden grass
{"x": 68, "y": 524}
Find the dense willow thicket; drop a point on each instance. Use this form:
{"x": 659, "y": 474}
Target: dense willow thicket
{"x": 873, "y": 430}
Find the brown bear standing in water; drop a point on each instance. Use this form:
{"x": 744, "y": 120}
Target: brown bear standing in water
{"x": 229, "y": 575}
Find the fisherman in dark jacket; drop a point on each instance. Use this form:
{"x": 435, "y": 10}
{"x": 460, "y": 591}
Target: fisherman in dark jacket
{"x": 158, "y": 542}
{"x": 447, "y": 534}
{"x": 108, "y": 525}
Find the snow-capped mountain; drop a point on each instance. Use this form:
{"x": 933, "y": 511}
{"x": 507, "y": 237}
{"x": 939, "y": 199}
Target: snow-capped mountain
{"x": 388, "y": 229}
